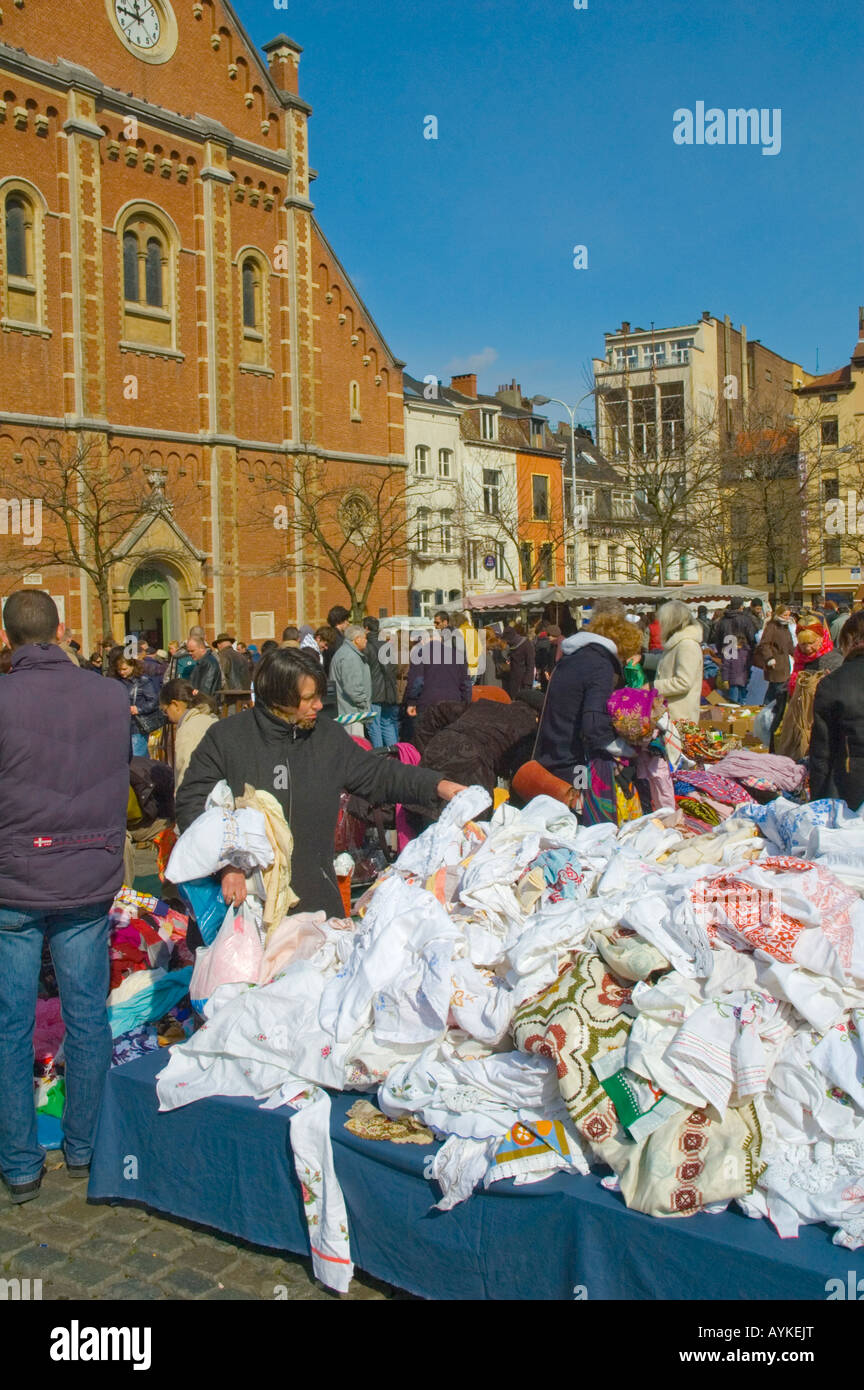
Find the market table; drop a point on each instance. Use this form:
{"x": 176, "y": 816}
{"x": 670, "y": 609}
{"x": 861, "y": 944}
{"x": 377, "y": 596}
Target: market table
{"x": 227, "y": 1164}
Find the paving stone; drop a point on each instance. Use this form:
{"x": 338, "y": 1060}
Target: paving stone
{"x": 120, "y": 1223}
{"x": 33, "y": 1260}
{"x": 140, "y": 1263}
{"x": 84, "y": 1213}
{"x": 132, "y": 1289}
{"x": 229, "y": 1295}
{"x": 97, "y": 1248}
{"x": 163, "y": 1240}
{"x": 87, "y": 1272}
{"x": 61, "y": 1291}
{"x": 65, "y": 1235}
{"x": 50, "y": 1198}
{"x": 185, "y": 1283}
{"x": 209, "y": 1261}
{"x": 11, "y": 1240}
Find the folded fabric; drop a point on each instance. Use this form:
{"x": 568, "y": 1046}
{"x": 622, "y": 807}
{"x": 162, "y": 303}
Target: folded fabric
{"x": 719, "y": 788}
{"x": 783, "y": 773}
{"x": 154, "y": 993}
{"x": 219, "y": 837}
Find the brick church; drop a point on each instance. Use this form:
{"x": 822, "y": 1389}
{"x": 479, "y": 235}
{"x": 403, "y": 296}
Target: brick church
{"x": 170, "y": 306}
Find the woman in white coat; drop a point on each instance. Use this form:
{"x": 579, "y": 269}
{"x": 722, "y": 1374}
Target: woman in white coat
{"x": 679, "y": 674}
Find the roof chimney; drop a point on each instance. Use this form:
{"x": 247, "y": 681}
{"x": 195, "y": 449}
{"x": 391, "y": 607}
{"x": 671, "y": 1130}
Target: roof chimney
{"x": 625, "y": 326}
{"x": 466, "y": 383}
{"x": 706, "y": 314}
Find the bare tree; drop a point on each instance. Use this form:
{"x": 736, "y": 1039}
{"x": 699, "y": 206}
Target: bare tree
{"x": 769, "y": 498}
{"x": 86, "y": 508}
{"x": 351, "y": 531}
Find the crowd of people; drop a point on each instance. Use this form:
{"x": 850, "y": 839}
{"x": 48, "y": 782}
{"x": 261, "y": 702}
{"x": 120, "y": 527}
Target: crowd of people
{"x": 511, "y": 701}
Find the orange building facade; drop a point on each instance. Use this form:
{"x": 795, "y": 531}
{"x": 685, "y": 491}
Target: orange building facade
{"x": 168, "y": 299}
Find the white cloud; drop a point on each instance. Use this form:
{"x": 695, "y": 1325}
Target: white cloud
{"x": 477, "y": 362}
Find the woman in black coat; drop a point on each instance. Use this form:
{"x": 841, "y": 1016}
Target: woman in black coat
{"x": 143, "y": 701}
{"x": 520, "y": 661}
{"x": 576, "y": 740}
{"x": 837, "y": 740}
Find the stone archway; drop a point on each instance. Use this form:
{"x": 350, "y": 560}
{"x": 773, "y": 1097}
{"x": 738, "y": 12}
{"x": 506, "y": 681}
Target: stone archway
{"x": 155, "y": 577}
{"x": 160, "y": 565}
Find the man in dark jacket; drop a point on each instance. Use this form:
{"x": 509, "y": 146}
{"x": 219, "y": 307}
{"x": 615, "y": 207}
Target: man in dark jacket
{"x": 383, "y": 730}
{"x": 338, "y": 619}
{"x": 440, "y": 671}
{"x": 64, "y": 772}
{"x": 282, "y": 747}
{"x": 206, "y": 674}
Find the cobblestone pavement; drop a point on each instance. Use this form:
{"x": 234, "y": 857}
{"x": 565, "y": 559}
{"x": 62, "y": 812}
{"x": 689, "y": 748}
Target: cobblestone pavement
{"x": 82, "y": 1250}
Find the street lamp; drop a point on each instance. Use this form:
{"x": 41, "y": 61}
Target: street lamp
{"x": 571, "y": 411}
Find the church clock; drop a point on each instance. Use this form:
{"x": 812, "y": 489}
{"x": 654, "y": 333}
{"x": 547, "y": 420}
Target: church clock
{"x": 147, "y": 28}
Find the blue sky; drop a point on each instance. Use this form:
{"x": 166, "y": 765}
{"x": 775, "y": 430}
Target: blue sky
{"x": 555, "y": 129}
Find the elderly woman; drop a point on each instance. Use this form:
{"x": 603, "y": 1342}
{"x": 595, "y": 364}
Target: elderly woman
{"x": 837, "y": 738}
{"x": 283, "y": 747}
{"x": 814, "y": 656}
{"x": 679, "y": 674}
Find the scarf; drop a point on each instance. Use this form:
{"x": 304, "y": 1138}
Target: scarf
{"x": 800, "y": 661}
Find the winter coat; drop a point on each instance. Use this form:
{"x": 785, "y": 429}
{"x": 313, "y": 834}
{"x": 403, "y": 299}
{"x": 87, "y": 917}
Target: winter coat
{"x": 439, "y": 671}
{"x": 352, "y": 679}
{"x": 143, "y": 693}
{"x": 234, "y": 668}
{"x": 837, "y": 739}
{"x": 317, "y": 764}
{"x": 206, "y": 675}
{"x": 64, "y": 770}
{"x": 383, "y": 673}
{"x": 679, "y": 674}
{"x": 774, "y": 653}
{"x": 575, "y": 726}
{"x": 521, "y": 659}
{"x": 735, "y": 669}
{"x": 478, "y": 746}
{"x": 189, "y": 733}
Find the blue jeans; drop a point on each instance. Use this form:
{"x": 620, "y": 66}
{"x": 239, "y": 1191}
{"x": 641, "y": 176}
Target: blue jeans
{"x": 78, "y": 938}
{"x": 389, "y": 725}
{"x": 736, "y": 694}
{"x": 372, "y": 727}
{"x": 139, "y": 743}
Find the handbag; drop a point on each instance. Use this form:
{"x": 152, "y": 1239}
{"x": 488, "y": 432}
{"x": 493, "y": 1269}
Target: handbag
{"x": 146, "y": 723}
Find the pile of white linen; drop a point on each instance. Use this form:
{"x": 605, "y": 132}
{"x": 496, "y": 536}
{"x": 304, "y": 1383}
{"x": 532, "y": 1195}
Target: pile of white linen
{"x": 731, "y": 1005}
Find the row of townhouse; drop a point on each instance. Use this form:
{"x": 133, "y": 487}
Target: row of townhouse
{"x": 498, "y": 499}
{"x": 717, "y": 460}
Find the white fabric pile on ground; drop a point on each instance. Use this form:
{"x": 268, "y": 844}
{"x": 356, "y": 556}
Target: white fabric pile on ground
{"x": 543, "y": 996}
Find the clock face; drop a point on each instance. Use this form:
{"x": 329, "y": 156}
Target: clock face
{"x": 140, "y": 22}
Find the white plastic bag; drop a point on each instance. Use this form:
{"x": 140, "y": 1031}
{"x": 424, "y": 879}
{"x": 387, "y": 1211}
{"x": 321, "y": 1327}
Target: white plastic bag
{"x": 762, "y": 724}
{"x": 233, "y": 959}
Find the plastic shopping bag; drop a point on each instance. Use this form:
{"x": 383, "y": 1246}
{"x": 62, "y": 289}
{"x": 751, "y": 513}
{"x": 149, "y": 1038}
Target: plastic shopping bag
{"x": 204, "y": 897}
{"x": 234, "y": 958}
{"x": 762, "y": 724}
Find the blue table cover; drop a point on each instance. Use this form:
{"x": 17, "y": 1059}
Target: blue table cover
{"x": 227, "y": 1164}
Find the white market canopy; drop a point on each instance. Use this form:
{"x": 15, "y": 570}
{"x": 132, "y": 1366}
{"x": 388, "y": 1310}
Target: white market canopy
{"x": 589, "y": 593}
